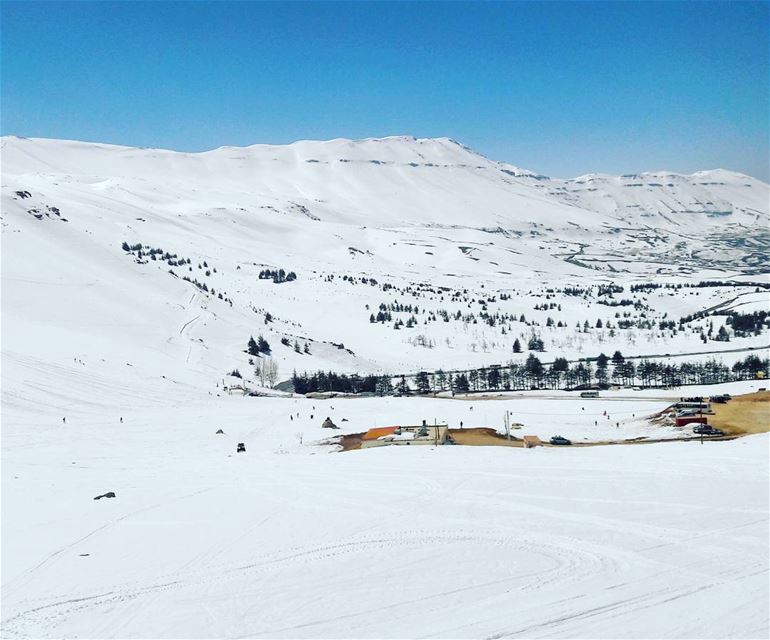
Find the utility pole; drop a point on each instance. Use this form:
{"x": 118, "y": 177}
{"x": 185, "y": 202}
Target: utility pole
{"x": 508, "y": 425}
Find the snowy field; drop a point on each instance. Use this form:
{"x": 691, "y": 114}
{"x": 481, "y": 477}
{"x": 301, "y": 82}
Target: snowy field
{"x": 294, "y": 538}
{"x": 297, "y": 540}
{"x": 482, "y": 249}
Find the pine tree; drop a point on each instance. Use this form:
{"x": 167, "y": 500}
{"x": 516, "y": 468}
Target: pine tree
{"x": 461, "y": 383}
{"x": 422, "y": 382}
{"x": 534, "y": 367}
{"x": 253, "y": 348}
{"x": 263, "y": 346}
{"x": 516, "y": 346}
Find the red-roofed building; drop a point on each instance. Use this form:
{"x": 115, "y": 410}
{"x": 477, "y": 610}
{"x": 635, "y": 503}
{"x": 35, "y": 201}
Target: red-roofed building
{"x": 378, "y": 432}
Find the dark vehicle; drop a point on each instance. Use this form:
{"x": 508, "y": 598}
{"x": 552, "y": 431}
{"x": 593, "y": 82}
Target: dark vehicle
{"x": 560, "y": 440}
{"x": 241, "y": 447}
{"x": 707, "y": 430}
{"x": 720, "y": 399}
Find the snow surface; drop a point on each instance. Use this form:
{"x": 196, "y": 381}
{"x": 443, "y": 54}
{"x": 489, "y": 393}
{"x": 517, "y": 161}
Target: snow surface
{"x": 293, "y": 538}
{"x": 77, "y": 304}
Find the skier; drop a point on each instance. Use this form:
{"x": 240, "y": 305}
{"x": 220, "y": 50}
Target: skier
{"x": 64, "y": 420}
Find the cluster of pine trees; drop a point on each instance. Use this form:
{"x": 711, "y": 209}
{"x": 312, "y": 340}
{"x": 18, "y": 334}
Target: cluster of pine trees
{"x": 258, "y": 347}
{"x": 594, "y": 372}
{"x": 339, "y": 382}
{"x": 747, "y": 324}
{"x": 297, "y": 348}
{"x": 597, "y": 372}
{"x": 277, "y": 275}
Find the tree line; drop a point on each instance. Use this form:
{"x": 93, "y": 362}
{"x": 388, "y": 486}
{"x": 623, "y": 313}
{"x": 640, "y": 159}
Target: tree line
{"x": 599, "y": 372}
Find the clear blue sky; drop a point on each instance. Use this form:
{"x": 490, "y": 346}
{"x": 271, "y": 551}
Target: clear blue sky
{"x": 560, "y": 88}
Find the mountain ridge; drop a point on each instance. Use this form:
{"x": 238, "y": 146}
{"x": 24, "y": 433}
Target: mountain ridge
{"x": 443, "y": 142}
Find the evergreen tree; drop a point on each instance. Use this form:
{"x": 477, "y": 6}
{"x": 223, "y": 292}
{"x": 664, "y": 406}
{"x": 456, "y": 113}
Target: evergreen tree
{"x": 461, "y": 383}
{"x": 516, "y": 346}
{"x": 422, "y": 382}
{"x": 601, "y": 368}
{"x": 384, "y": 386}
{"x": 263, "y": 346}
{"x": 534, "y": 367}
{"x": 253, "y": 349}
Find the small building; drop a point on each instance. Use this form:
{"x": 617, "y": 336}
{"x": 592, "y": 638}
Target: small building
{"x": 693, "y": 404}
{"x": 681, "y": 421}
{"x": 405, "y": 435}
{"x": 532, "y": 441}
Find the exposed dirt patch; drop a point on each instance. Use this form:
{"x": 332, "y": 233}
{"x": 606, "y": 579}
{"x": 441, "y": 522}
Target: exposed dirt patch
{"x": 350, "y": 441}
{"x": 749, "y": 413}
{"x": 483, "y": 436}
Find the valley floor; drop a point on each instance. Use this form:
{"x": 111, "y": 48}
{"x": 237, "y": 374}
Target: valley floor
{"x": 295, "y": 540}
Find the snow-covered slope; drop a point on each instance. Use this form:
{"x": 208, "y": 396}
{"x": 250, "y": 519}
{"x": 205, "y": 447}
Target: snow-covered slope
{"x": 288, "y": 540}
{"x": 131, "y": 284}
{"x": 362, "y": 223}
{"x": 391, "y": 180}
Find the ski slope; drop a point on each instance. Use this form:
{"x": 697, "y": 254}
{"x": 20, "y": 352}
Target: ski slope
{"x": 424, "y": 218}
{"x": 292, "y": 540}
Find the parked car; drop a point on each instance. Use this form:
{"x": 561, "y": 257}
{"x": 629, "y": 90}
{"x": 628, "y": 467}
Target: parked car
{"x": 707, "y": 430}
{"x": 560, "y": 440}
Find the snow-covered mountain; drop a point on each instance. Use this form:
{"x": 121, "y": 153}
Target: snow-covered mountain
{"x": 361, "y": 223}
{"x": 387, "y": 181}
